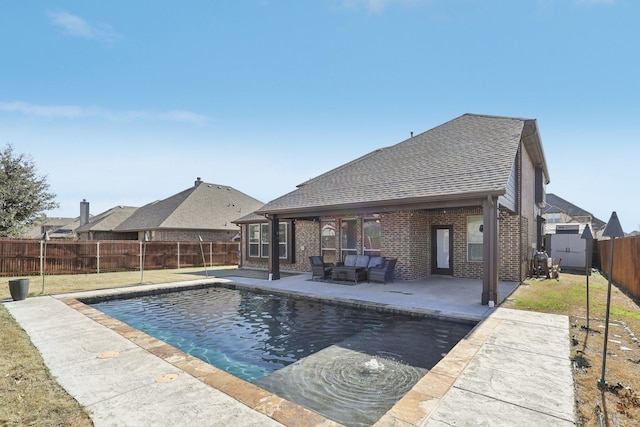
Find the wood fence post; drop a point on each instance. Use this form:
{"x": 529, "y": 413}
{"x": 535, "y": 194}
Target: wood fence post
{"x": 41, "y": 257}
{"x": 98, "y": 257}
{"x": 178, "y": 254}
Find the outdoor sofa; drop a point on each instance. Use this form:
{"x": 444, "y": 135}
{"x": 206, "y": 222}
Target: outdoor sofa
{"x": 356, "y": 267}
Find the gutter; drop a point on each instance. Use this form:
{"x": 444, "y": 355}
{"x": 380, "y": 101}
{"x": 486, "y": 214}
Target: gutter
{"x": 433, "y": 202}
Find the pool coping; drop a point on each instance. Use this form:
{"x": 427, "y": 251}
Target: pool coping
{"x": 256, "y": 398}
{"x": 472, "y": 384}
{"x": 413, "y": 409}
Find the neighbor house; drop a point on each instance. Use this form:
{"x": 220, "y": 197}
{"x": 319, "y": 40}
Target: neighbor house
{"x": 463, "y": 199}
{"x": 203, "y": 211}
{"x": 50, "y": 225}
{"x": 558, "y": 211}
{"x": 102, "y": 226}
{"x": 565, "y": 224}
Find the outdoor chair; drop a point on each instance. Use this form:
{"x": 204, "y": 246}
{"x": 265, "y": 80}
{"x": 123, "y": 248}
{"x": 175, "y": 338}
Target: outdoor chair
{"x": 353, "y": 269}
{"x": 319, "y": 268}
{"x": 384, "y": 272}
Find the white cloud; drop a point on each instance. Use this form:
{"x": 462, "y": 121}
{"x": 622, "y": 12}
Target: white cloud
{"x": 64, "y": 111}
{"x": 76, "y": 26}
{"x": 74, "y": 112}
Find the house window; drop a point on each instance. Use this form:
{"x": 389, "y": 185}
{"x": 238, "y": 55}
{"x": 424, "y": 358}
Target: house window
{"x": 371, "y": 235}
{"x": 348, "y": 237}
{"x": 259, "y": 240}
{"x": 282, "y": 240}
{"x": 553, "y": 218}
{"x": 474, "y": 238}
{"x": 328, "y": 240}
{"x": 254, "y": 240}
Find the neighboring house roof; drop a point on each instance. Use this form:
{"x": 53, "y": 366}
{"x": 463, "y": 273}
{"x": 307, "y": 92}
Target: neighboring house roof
{"x": 555, "y": 204}
{"x": 49, "y": 223}
{"x": 470, "y": 156}
{"x": 204, "y": 206}
{"x": 108, "y": 220}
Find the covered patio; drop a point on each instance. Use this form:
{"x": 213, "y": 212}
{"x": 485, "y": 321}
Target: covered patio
{"x": 439, "y": 296}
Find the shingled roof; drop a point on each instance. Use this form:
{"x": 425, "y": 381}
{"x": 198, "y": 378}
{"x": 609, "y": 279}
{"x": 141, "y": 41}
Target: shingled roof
{"x": 470, "y": 156}
{"x": 202, "y": 207}
{"x": 107, "y": 220}
{"x": 556, "y": 204}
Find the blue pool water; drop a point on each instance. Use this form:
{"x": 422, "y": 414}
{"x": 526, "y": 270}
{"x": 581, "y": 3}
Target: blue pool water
{"x": 348, "y": 364}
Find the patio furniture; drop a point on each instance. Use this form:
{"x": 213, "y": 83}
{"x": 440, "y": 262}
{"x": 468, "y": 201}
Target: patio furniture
{"x": 384, "y": 272}
{"x": 319, "y": 268}
{"x": 354, "y": 268}
{"x": 541, "y": 264}
{"x": 555, "y": 269}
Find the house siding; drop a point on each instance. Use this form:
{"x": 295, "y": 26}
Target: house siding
{"x": 510, "y": 199}
{"x": 406, "y": 235}
{"x": 530, "y": 211}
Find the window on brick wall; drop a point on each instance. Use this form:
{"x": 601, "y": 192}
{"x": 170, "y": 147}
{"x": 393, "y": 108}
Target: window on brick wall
{"x": 348, "y": 237}
{"x": 258, "y": 242}
{"x": 474, "y": 238}
{"x": 371, "y": 235}
{"x": 328, "y": 240}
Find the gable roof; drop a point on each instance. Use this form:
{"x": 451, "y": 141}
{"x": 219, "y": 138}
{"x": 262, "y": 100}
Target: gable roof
{"x": 107, "y": 220}
{"x": 556, "y": 204}
{"x": 468, "y": 157}
{"x": 202, "y": 207}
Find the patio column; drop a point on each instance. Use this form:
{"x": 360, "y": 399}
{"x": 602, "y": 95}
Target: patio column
{"x": 274, "y": 247}
{"x": 490, "y": 250}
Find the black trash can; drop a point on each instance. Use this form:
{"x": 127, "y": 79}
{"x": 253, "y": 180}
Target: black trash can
{"x": 19, "y": 289}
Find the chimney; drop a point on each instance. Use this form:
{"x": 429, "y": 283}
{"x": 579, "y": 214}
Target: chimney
{"x": 198, "y": 182}
{"x": 84, "y": 212}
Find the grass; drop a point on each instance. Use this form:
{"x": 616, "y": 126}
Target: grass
{"x": 29, "y": 394}
{"x": 618, "y": 402}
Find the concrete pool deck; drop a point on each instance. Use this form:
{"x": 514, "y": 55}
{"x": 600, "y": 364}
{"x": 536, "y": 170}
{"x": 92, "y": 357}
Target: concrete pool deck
{"x": 513, "y": 367}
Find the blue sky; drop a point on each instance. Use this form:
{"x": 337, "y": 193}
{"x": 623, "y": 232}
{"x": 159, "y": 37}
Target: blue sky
{"x": 123, "y": 103}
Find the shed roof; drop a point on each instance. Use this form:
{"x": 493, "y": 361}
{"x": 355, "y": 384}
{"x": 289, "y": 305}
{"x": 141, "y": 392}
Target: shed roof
{"x": 470, "y": 155}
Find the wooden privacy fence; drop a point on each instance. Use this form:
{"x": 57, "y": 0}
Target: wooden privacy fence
{"x": 626, "y": 262}
{"x": 33, "y": 257}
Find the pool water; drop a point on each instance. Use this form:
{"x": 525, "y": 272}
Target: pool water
{"x": 350, "y": 365}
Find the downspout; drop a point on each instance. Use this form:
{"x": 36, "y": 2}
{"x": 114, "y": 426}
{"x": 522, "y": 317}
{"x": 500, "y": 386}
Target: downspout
{"x": 520, "y": 250}
{"x": 274, "y": 258}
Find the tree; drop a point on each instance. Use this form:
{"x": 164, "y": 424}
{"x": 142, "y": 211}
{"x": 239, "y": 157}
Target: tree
{"x": 24, "y": 195}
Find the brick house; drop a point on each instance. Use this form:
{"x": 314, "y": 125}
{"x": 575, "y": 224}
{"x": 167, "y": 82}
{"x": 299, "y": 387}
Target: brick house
{"x": 204, "y": 210}
{"x": 462, "y": 199}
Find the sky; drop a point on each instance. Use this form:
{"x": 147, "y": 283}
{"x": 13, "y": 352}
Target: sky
{"x": 128, "y": 102}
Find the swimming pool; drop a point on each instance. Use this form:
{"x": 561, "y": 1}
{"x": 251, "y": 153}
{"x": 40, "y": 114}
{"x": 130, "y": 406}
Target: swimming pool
{"x": 350, "y": 365}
